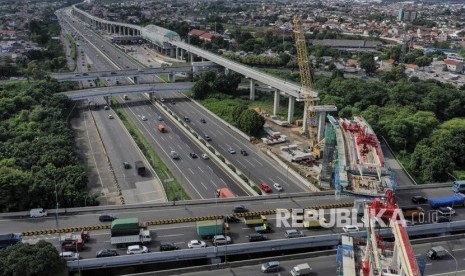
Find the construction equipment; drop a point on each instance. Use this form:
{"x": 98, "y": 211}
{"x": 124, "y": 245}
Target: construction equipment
{"x": 306, "y": 82}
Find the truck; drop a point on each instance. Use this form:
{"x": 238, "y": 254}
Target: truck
{"x": 84, "y": 236}
{"x": 225, "y": 193}
{"x": 308, "y": 222}
{"x": 161, "y": 128}
{"x": 457, "y": 199}
{"x": 9, "y": 239}
{"x": 301, "y": 269}
{"x": 129, "y": 231}
{"x": 412, "y": 212}
{"x": 255, "y": 220}
{"x": 209, "y": 228}
{"x": 72, "y": 245}
{"x": 140, "y": 168}
{"x": 436, "y": 252}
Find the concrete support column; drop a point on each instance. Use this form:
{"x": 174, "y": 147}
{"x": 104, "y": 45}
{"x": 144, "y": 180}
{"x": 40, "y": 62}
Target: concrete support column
{"x": 290, "y": 111}
{"x": 172, "y": 54}
{"x": 321, "y": 125}
{"x": 177, "y": 52}
{"x": 151, "y": 96}
{"x": 252, "y": 89}
{"x": 305, "y": 121}
{"x": 276, "y": 102}
{"x": 171, "y": 78}
{"x": 191, "y": 57}
{"x": 136, "y": 79}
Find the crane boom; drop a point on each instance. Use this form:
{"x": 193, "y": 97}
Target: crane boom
{"x": 306, "y": 80}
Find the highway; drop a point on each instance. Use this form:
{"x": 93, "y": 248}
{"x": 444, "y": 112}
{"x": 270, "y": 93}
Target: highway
{"x": 256, "y": 165}
{"x": 199, "y": 177}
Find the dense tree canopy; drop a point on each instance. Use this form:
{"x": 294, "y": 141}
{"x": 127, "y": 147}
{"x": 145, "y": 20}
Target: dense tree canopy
{"x": 37, "y": 149}
{"x": 31, "y": 260}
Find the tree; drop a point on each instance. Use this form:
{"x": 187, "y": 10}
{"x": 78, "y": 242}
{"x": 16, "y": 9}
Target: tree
{"x": 367, "y": 62}
{"x": 201, "y": 89}
{"x": 237, "y": 112}
{"x": 251, "y": 122}
{"x": 25, "y": 259}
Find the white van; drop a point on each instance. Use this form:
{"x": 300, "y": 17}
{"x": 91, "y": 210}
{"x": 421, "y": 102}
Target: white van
{"x": 301, "y": 269}
{"x": 70, "y": 256}
{"x": 458, "y": 186}
{"x": 37, "y": 213}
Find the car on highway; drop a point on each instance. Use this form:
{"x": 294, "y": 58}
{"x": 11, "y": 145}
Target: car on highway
{"x": 106, "y": 253}
{"x": 110, "y": 116}
{"x": 174, "y": 155}
{"x": 196, "y": 244}
{"x": 221, "y": 239}
{"x": 70, "y": 256}
{"x": 137, "y": 249}
{"x": 160, "y": 118}
{"x": 106, "y": 217}
{"x": 231, "y": 218}
{"x": 243, "y": 152}
{"x": 186, "y": 119}
{"x": 240, "y": 209}
{"x": 441, "y": 219}
{"x": 193, "y": 155}
{"x": 293, "y": 233}
{"x": 207, "y": 138}
{"x": 350, "y": 228}
{"x": 203, "y": 121}
{"x": 106, "y": 107}
{"x": 278, "y": 187}
{"x": 419, "y": 199}
{"x": 272, "y": 266}
{"x": 409, "y": 223}
{"x": 126, "y": 165}
{"x": 446, "y": 211}
{"x": 162, "y": 100}
{"x": 231, "y": 151}
{"x": 168, "y": 246}
{"x": 144, "y": 118}
{"x": 257, "y": 237}
{"x": 265, "y": 187}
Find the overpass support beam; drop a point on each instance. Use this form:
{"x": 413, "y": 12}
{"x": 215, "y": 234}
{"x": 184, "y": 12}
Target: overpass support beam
{"x": 252, "y": 88}
{"x": 276, "y": 102}
{"x": 290, "y": 111}
{"x": 321, "y": 125}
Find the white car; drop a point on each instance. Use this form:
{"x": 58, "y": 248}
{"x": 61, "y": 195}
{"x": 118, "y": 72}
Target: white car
{"x": 70, "y": 256}
{"x": 137, "y": 249}
{"x": 278, "y": 187}
{"x": 196, "y": 244}
{"x": 205, "y": 156}
{"x": 350, "y": 228}
{"x": 446, "y": 211}
{"x": 144, "y": 118}
{"x": 221, "y": 239}
{"x": 231, "y": 151}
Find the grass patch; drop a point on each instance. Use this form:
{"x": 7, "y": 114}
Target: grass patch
{"x": 164, "y": 78}
{"x": 174, "y": 190}
{"x": 459, "y": 174}
{"x": 256, "y": 189}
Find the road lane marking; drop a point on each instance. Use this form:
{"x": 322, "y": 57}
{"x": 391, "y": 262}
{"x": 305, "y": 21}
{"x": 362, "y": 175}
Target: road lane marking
{"x": 172, "y": 235}
{"x": 213, "y": 182}
{"x": 201, "y": 169}
{"x": 192, "y": 172}
{"x": 251, "y": 164}
{"x": 203, "y": 185}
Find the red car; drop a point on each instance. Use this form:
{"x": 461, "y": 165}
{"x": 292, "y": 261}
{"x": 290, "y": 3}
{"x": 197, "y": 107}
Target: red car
{"x": 265, "y": 187}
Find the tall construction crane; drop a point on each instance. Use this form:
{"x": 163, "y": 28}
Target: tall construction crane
{"x": 306, "y": 82}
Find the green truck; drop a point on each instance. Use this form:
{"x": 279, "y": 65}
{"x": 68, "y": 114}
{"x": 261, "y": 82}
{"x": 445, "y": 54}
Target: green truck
{"x": 209, "y": 228}
{"x": 129, "y": 231}
{"x": 255, "y": 220}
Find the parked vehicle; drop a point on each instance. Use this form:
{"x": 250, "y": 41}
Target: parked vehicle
{"x": 272, "y": 266}
{"x": 37, "y": 213}
{"x": 436, "y": 252}
{"x": 453, "y": 200}
{"x": 293, "y": 233}
{"x": 106, "y": 253}
{"x": 140, "y": 167}
{"x": 210, "y": 228}
{"x": 137, "y": 249}
{"x": 301, "y": 269}
{"x": 419, "y": 199}
{"x": 196, "y": 244}
{"x": 350, "y": 228}
{"x": 9, "y": 239}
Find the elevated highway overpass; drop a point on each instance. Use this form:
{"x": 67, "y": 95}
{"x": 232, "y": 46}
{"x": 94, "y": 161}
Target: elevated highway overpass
{"x": 128, "y": 89}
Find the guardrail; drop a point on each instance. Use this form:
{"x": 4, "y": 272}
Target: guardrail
{"x": 248, "y": 248}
